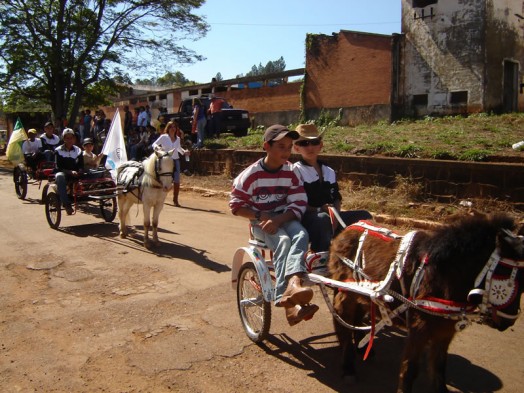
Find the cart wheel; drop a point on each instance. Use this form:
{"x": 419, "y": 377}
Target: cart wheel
{"x": 53, "y": 210}
{"x": 255, "y": 312}
{"x": 108, "y": 209}
{"x": 44, "y": 193}
{"x": 20, "y": 179}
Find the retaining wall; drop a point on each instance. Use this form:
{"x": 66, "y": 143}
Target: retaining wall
{"x": 442, "y": 180}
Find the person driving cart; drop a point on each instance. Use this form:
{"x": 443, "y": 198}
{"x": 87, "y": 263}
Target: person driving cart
{"x": 69, "y": 164}
{"x": 271, "y": 195}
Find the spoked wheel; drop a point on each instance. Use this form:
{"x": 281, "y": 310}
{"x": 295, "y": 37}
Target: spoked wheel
{"x": 53, "y": 210}
{"x": 20, "y": 179}
{"x": 255, "y": 312}
{"x": 108, "y": 209}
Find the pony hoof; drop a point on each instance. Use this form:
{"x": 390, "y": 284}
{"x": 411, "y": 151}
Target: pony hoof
{"x": 350, "y": 379}
{"x": 123, "y": 236}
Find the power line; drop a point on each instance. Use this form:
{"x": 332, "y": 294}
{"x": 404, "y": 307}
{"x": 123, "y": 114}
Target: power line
{"x": 301, "y": 25}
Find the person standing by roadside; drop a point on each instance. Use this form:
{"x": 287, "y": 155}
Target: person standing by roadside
{"x": 199, "y": 122}
{"x": 87, "y": 124}
{"x": 171, "y": 140}
{"x": 128, "y": 122}
{"x": 141, "y": 122}
{"x": 215, "y": 112}
{"x": 270, "y": 194}
{"x": 321, "y": 188}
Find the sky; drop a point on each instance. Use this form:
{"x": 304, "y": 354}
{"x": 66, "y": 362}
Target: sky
{"x": 244, "y": 33}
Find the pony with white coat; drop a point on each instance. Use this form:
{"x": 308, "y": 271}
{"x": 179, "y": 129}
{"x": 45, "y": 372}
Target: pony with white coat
{"x": 153, "y": 179}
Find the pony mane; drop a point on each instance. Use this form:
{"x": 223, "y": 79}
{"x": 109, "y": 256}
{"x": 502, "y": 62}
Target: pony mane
{"x": 149, "y": 169}
{"x": 455, "y": 243}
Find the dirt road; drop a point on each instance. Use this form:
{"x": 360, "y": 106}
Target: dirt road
{"x": 83, "y": 311}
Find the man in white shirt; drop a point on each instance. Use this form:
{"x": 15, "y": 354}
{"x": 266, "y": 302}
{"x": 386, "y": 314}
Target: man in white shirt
{"x": 142, "y": 119}
{"x": 32, "y": 149}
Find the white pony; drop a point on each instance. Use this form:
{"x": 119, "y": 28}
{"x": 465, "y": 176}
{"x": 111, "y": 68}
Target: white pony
{"x": 155, "y": 179}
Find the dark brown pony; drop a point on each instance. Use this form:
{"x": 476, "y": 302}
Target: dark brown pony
{"x": 469, "y": 271}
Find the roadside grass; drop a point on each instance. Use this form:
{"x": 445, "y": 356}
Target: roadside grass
{"x": 478, "y": 137}
{"x": 405, "y": 200}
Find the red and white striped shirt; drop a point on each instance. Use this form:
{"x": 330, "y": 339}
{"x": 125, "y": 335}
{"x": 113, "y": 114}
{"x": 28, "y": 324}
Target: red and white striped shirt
{"x": 269, "y": 191}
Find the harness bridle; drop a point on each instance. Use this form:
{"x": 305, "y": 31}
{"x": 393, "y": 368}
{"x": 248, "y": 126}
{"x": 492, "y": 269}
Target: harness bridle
{"x": 497, "y": 293}
{"x": 158, "y": 168}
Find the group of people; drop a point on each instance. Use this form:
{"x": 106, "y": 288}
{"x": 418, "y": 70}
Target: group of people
{"x": 287, "y": 205}
{"x": 70, "y": 160}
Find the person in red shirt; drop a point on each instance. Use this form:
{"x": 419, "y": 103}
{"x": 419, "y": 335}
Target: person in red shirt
{"x": 215, "y": 112}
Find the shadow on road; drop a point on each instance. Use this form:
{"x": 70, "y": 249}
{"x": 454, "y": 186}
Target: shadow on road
{"x": 195, "y": 209}
{"x": 321, "y": 355}
{"x": 166, "y": 249}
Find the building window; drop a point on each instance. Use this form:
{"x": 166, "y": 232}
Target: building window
{"x": 151, "y": 98}
{"x": 163, "y": 97}
{"x": 458, "y": 98}
{"x": 423, "y": 3}
{"x": 193, "y": 92}
{"x": 420, "y": 100}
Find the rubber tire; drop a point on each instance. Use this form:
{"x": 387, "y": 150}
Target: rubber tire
{"x": 20, "y": 179}
{"x": 44, "y": 193}
{"x": 240, "y": 133}
{"x": 108, "y": 209}
{"x": 53, "y": 209}
{"x": 254, "y": 315}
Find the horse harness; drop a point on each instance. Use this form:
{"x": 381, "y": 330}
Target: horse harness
{"x": 158, "y": 168}
{"x": 498, "y": 291}
{"x": 135, "y": 184}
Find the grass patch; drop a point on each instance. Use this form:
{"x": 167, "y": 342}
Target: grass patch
{"x": 474, "y": 138}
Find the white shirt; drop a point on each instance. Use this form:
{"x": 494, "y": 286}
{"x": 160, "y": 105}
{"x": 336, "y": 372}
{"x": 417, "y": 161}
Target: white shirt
{"x": 164, "y": 141}
{"x": 30, "y": 147}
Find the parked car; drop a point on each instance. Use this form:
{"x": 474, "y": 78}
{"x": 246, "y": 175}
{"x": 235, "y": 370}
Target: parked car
{"x": 233, "y": 120}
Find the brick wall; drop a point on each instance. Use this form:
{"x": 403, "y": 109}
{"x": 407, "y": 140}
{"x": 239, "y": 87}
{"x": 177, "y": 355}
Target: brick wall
{"x": 348, "y": 69}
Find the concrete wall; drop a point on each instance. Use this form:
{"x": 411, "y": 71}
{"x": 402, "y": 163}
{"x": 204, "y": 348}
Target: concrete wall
{"x": 442, "y": 180}
{"x": 457, "y": 50}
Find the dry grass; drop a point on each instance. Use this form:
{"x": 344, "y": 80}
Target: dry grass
{"x": 406, "y": 200}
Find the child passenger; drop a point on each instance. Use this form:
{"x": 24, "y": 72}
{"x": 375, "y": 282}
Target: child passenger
{"x": 272, "y": 197}
{"x": 322, "y": 190}
{"x": 91, "y": 160}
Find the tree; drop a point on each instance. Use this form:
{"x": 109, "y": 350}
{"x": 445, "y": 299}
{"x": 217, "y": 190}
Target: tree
{"x": 54, "y": 51}
{"x": 170, "y": 78}
{"x": 270, "y": 68}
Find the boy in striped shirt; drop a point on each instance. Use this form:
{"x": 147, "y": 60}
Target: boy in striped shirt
{"x": 271, "y": 195}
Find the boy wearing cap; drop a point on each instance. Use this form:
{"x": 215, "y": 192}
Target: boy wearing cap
{"x": 91, "y": 160}
{"x": 69, "y": 164}
{"x": 322, "y": 190}
{"x": 50, "y": 141}
{"x": 32, "y": 149}
{"x": 271, "y": 195}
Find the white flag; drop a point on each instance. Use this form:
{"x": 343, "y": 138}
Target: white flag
{"x": 114, "y": 146}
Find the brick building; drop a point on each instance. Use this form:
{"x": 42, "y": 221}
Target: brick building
{"x": 451, "y": 58}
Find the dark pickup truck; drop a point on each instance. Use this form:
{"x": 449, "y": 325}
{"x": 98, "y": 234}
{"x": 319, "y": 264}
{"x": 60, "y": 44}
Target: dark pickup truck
{"x": 233, "y": 120}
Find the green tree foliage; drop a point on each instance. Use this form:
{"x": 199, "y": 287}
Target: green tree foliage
{"x": 169, "y": 79}
{"x": 63, "y": 53}
{"x": 270, "y": 68}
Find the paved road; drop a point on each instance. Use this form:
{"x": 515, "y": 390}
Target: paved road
{"x": 82, "y": 310}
